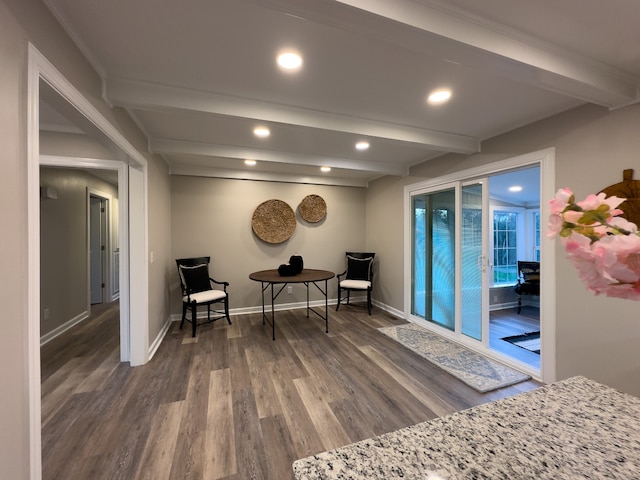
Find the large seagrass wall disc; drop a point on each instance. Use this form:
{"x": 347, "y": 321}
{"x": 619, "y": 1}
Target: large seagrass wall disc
{"x": 273, "y": 221}
{"x": 312, "y": 208}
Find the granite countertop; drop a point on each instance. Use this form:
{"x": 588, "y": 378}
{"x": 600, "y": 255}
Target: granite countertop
{"x": 572, "y": 429}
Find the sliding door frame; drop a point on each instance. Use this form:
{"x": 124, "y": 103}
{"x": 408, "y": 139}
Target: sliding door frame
{"x": 545, "y": 159}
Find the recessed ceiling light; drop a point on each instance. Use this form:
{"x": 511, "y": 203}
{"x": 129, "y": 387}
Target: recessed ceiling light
{"x": 250, "y": 162}
{"x": 289, "y": 61}
{"x": 439, "y": 96}
{"x": 262, "y": 132}
{"x": 515, "y": 188}
{"x": 325, "y": 169}
{"x": 362, "y": 145}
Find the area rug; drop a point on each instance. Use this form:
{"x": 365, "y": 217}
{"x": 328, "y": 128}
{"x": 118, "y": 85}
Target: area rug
{"x": 529, "y": 341}
{"x": 479, "y": 372}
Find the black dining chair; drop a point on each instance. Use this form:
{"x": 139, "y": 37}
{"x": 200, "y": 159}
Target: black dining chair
{"x": 199, "y": 289}
{"x": 528, "y": 280}
{"x": 357, "y": 277}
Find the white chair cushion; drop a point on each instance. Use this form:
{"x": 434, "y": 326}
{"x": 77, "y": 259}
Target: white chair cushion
{"x": 355, "y": 284}
{"x": 206, "y": 296}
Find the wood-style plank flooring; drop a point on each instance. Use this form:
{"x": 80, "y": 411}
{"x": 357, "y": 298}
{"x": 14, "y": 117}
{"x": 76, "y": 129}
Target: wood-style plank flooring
{"x": 232, "y": 404}
{"x": 508, "y": 322}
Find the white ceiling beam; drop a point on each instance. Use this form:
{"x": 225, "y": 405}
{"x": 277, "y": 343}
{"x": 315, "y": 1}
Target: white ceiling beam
{"x": 177, "y": 147}
{"x": 143, "y": 95}
{"x": 506, "y": 53}
{"x": 267, "y": 176}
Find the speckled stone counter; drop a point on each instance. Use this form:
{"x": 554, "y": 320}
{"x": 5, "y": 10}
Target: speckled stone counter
{"x": 571, "y": 429}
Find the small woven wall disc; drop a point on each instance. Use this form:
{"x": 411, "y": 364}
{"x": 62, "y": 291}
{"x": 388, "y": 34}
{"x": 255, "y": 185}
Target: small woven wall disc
{"x": 273, "y": 221}
{"x": 312, "y": 208}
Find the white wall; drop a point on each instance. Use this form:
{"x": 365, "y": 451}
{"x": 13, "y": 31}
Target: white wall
{"x": 212, "y": 217}
{"x": 21, "y": 22}
{"x": 596, "y": 336}
{"x": 14, "y": 439}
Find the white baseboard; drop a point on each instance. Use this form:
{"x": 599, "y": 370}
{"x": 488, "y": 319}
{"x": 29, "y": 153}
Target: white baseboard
{"x": 47, "y": 337}
{"x": 176, "y": 317}
{"x": 502, "y": 306}
{"x": 153, "y": 348}
{"x": 393, "y": 311}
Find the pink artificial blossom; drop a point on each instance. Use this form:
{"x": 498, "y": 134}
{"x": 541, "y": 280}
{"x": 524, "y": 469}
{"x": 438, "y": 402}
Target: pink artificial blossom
{"x": 592, "y": 202}
{"x": 561, "y": 200}
{"x": 604, "y": 248}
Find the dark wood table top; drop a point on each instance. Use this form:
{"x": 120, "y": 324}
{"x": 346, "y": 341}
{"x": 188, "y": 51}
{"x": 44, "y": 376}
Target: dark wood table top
{"x": 307, "y": 275}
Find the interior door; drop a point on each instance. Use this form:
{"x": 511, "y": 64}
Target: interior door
{"x": 97, "y": 220}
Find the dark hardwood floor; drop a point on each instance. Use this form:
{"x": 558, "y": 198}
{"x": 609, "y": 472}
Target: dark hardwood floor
{"x": 233, "y": 404}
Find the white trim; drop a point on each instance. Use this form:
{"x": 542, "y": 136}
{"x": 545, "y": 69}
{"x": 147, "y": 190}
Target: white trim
{"x": 158, "y": 340}
{"x": 520, "y": 238}
{"x": 33, "y": 266}
{"x": 393, "y": 311}
{"x": 279, "y": 307}
{"x": 39, "y": 68}
{"x": 64, "y": 327}
{"x": 546, "y": 159}
{"x": 502, "y": 306}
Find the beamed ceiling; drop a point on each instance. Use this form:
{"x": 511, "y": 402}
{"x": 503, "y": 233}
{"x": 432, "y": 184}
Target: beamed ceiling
{"x": 199, "y": 75}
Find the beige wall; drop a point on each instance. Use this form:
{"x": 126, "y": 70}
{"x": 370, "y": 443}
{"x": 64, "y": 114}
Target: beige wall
{"x": 14, "y": 427}
{"x": 213, "y": 217}
{"x": 159, "y": 240}
{"x": 22, "y": 21}
{"x": 596, "y": 336}
{"x": 72, "y": 145}
{"x": 64, "y": 282}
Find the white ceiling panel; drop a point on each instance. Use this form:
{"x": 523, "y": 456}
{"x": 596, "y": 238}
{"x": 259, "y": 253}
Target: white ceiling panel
{"x": 197, "y": 76}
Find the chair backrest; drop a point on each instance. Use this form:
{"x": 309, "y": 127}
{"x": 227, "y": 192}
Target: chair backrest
{"x": 360, "y": 265}
{"x": 194, "y": 274}
{"x": 529, "y": 271}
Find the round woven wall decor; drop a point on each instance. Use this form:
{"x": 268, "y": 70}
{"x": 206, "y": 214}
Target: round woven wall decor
{"x": 313, "y": 208}
{"x": 273, "y": 221}
{"x": 629, "y": 189}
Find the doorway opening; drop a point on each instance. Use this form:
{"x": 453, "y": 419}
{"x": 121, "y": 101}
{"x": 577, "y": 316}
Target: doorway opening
{"x": 465, "y": 239}
{"x": 514, "y": 238}
{"x": 44, "y": 80}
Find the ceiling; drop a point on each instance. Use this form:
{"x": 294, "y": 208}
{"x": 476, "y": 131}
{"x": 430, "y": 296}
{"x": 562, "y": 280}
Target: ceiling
{"x": 198, "y": 76}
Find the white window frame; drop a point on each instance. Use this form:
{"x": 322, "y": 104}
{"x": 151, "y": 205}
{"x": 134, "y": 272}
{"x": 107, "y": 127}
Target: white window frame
{"x": 520, "y": 234}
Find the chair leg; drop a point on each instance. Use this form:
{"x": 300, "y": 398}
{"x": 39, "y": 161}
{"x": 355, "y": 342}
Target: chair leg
{"x": 194, "y": 319}
{"x": 369, "y": 301}
{"x": 338, "y": 304}
{"x": 184, "y": 314}
{"x": 226, "y": 309}
{"x": 519, "y": 303}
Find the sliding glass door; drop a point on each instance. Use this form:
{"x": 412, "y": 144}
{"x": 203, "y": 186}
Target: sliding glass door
{"x": 448, "y": 260}
{"x": 473, "y": 260}
{"x": 434, "y": 257}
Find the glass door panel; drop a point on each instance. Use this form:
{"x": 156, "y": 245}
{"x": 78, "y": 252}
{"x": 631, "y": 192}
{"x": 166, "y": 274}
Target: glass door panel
{"x": 433, "y": 292}
{"x": 472, "y": 261}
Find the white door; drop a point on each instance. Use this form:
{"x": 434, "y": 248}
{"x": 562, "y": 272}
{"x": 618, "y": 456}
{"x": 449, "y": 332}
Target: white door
{"x": 97, "y": 245}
